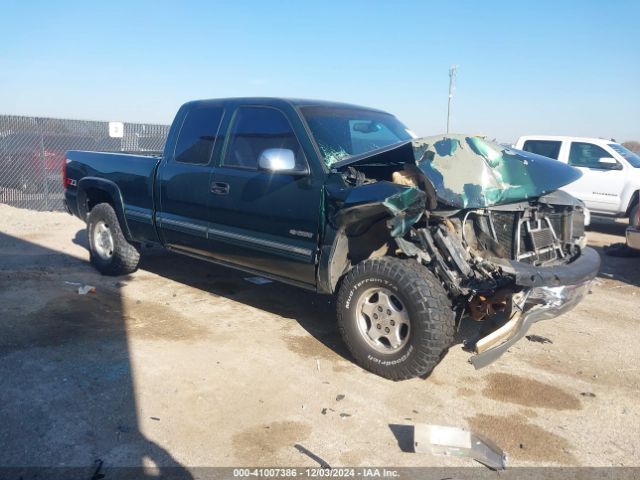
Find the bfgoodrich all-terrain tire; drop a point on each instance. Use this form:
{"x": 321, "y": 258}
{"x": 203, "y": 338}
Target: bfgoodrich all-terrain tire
{"x": 111, "y": 253}
{"x": 395, "y": 317}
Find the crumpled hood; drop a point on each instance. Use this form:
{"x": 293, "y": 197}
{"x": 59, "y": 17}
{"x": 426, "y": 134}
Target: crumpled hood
{"x": 470, "y": 172}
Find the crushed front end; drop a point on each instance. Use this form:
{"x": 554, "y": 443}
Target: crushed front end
{"x": 491, "y": 225}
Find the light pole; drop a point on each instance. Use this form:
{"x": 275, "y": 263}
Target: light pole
{"x": 452, "y": 87}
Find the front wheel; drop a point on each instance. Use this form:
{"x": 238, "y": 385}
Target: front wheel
{"x": 395, "y": 317}
{"x": 111, "y": 253}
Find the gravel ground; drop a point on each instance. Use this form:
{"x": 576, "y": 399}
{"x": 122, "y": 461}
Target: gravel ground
{"x": 187, "y": 364}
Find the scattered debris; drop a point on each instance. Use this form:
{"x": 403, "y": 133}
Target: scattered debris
{"x": 345, "y": 415}
{"x": 339, "y": 397}
{"x": 83, "y": 290}
{"x": 312, "y": 456}
{"x": 538, "y": 339}
{"x": 415, "y": 411}
{"x": 155, "y": 418}
{"x": 258, "y": 280}
{"x": 458, "y": 442}
{"x": 318, "y": 364}
{"x": 588, "y": 394}
{"x": 324, "y": 411}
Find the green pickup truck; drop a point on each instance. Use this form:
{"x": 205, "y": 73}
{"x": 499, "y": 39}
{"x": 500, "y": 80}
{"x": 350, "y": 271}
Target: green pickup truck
{"x": 411, "y": 234}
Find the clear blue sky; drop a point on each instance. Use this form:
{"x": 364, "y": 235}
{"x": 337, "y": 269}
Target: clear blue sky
{"x": 555, "y": 67}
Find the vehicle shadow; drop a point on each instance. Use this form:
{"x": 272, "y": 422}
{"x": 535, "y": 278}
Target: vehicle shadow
{"x": 622, "y": 269}
{"x": 67, "y": 396}
{"x": 313, "y": 312}
{"x": 607, "y": 226}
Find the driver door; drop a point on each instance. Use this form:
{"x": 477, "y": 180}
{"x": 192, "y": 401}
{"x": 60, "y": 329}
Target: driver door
{"x": 266, "y": 221}
{"x": 602, "y": 182}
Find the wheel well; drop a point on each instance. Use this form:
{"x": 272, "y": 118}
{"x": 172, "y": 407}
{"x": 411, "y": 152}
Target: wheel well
{"x": 353, "y": 247}
{"x": 94, "y": 196}
{"x": 635, "y": 198}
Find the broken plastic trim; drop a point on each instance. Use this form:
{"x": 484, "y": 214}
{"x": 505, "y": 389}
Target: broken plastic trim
{"x": 406, "y": 207}
{"x": 404, "y": 204}
{"x": 458, "y": 442}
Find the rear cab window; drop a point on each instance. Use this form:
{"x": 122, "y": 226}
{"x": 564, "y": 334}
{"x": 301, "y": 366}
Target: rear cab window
{"x": 546, "y": 148}
{"x": 198, "y": 134}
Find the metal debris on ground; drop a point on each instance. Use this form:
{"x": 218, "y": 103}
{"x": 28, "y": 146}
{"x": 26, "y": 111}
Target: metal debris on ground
{"x": 588, "y": 394}
{"x": 84, "y": 289}
{"x": 312, "y": 456}
{"x": 458, "y": 442}
{"x": 258, "y": 280}
{"x": 538, "y": 339}
{"x": 339, "y": 397}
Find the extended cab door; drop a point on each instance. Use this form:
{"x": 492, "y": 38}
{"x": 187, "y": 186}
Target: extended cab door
{"x": 183, "y": 178}
{"x": 603, "y": 177}
{"x": 264, "y": 220}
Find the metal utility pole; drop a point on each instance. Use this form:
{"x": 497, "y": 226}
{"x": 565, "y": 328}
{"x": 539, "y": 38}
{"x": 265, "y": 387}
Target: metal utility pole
{"x": 452, "y": 86}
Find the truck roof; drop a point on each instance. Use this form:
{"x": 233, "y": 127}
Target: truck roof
{"x": 274, "y": 101}
{"x": 565, "y": 138}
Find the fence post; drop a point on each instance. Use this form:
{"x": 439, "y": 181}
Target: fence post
{"x": 44, "y": 171}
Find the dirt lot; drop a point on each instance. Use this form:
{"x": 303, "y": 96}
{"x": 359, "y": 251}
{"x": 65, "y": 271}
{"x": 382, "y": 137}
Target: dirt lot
{"x": 188, "y": 364}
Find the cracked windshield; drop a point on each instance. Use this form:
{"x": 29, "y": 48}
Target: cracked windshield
{"x": 341, "y": 133}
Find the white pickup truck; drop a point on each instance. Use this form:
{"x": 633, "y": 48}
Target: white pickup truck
{"x": 610, "y": 182}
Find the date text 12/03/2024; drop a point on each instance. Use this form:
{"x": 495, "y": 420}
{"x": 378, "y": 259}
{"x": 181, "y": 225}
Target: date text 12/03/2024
{"x": 315, "y": 473}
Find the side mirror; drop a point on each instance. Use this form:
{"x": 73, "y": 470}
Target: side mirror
{"x": 609, "y": 163}
{"x": 280, "y": 160}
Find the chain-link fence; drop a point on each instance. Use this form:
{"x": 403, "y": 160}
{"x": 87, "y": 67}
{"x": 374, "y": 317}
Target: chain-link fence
{"x": 32, "y": 153}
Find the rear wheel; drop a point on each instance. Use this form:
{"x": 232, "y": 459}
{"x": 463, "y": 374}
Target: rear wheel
{"x": 111, "y": 253}
{"x": 395, "y": 317}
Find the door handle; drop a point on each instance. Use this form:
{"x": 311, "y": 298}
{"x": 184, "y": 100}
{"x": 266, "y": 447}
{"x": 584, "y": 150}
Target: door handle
{"x": 220, "y": 188}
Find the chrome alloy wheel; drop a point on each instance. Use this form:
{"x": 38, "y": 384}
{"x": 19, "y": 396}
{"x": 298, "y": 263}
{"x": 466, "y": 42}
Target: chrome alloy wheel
{"x": 103, "y": 240}
{"x": 383, "y": 320}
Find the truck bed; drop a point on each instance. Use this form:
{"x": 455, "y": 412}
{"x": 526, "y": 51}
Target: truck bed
{"x": 133, "y": 175}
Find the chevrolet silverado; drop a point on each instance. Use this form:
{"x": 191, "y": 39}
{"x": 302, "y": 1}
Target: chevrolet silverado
{"x": 411, "y": 234}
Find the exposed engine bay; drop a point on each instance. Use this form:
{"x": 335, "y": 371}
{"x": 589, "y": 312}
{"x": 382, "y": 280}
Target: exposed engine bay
{"x": 490, "y": 224}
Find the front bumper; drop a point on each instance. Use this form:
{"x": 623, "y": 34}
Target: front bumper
{"x": 549, "y": 292}
{"x": 633, "y": 237}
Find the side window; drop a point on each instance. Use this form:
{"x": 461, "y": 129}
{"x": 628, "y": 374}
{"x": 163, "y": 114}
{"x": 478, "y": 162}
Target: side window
{"x": 546, "y": 148}
{"x": 198, "y": 135}
{"x": 256, "y": 129}
{"x": 586, "y": 155}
